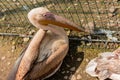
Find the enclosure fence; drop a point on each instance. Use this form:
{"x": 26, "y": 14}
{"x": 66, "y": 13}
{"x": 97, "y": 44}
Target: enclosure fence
{"x": 102, "y": 17}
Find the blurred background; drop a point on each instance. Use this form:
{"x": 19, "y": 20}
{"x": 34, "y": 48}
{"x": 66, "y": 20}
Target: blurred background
{"x": 99, "y": 17}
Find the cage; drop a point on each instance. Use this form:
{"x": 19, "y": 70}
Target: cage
{"x": 99, "y": 17}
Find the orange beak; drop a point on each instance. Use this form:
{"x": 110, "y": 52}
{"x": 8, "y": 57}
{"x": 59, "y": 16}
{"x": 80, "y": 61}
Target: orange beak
{"x": 50, "y": 18}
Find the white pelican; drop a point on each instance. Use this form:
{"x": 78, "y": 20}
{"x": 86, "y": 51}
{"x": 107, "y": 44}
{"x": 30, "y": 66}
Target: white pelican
{"x": 106, "y": 66}
{"x": 46, "y": 51}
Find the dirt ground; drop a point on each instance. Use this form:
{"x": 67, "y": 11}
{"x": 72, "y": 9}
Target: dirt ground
{"x": 73, "y": 67}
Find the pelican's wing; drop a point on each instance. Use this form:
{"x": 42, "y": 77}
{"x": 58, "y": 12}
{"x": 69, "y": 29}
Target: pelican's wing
{"x": 30, "y": 55}
{"x": 48, "y": 66}
{"x": 12, "y": 74}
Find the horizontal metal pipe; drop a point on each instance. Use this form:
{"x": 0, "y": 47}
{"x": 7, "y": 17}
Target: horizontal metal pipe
{"x": 70, "y": 38}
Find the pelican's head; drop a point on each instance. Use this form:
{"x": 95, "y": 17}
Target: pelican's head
{"x": 42, "y": 16}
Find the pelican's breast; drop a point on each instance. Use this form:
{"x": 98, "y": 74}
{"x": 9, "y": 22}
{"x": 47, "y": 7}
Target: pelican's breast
{"x": 50, "y": 44}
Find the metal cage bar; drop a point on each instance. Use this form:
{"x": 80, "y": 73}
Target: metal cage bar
{"x": 104, "y": 15}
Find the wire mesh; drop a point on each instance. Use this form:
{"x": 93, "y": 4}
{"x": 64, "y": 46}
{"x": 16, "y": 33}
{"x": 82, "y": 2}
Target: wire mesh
{"x": 103, "y": 15}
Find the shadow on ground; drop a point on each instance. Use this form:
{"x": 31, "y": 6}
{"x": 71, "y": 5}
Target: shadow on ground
{"x": 70, "y": 64}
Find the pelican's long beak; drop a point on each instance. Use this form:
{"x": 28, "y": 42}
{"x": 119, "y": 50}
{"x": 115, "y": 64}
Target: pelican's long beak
{"x": 50, "y": 18}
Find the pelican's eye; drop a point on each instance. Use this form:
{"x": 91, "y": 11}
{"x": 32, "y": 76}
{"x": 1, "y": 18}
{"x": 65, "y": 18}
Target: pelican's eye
{"x": 48, "y": 16}
{"x": 44, "y": 15}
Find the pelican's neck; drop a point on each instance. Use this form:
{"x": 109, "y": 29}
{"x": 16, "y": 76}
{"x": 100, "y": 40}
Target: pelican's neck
{"x": 57, "y": 30}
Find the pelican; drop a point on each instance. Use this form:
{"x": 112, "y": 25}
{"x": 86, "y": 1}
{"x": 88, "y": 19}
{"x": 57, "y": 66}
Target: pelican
{"x": 46, "y": 51}
{"x": 105, "y": 66}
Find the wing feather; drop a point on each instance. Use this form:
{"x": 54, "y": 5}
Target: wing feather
{"x": 40, "y": 69}
{"x": 12, "y": 74}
